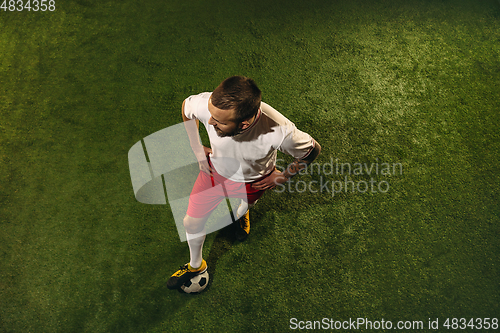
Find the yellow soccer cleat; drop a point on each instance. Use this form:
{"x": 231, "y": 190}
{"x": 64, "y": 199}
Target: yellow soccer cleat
{"x": 243, "y": 227}
{"x": 184, "y": 274}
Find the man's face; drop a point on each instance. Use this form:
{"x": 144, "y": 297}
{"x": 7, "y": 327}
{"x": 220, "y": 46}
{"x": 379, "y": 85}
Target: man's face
{"x": 222, "y": 121}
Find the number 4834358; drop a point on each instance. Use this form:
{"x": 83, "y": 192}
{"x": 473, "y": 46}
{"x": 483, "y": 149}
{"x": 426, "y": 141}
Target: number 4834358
{"x": 474, "y": 323}
{"x": 30, "y": 5}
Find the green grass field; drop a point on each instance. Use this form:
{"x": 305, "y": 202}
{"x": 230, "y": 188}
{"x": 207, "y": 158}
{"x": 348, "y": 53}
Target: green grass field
{"x": 414, "y": 83}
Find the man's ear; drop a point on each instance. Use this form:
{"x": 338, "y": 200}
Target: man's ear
{"x": 244, "y": 124}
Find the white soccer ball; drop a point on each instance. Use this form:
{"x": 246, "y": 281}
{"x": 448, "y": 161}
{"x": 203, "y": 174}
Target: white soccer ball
{"x": 197, "y": 284}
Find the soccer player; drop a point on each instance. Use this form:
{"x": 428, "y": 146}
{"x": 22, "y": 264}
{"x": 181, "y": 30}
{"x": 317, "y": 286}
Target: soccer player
{"x": 244, "y": 129}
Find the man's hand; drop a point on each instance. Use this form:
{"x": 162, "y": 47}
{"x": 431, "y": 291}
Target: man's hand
{"x": 270, "y": 181}
{"x": 203, "y": 162}
{"x": 277, "y": 177}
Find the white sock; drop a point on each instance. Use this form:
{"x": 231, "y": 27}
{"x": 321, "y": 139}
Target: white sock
{"x": 195, "y": 243}
{"x": 243, "y": 208}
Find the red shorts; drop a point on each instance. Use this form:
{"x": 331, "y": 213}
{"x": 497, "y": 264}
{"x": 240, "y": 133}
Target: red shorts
{"x": 210, "y": 189}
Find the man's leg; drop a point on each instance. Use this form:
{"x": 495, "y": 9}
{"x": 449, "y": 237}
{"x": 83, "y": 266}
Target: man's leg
{"x": 243, "y": 217}
{"x": 195, "y": 235}
{"x": 243, "y": 208}
{"x": 242, "y": 214}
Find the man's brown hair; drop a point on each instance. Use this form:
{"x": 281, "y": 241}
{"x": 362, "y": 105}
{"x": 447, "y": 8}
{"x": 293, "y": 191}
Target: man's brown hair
{"x": 239, "y": 93}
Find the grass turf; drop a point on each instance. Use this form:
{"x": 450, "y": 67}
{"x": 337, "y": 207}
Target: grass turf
{"x": 409, "y": 82}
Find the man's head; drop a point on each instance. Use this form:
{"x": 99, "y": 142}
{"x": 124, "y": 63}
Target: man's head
{"x": 234, "y": 105}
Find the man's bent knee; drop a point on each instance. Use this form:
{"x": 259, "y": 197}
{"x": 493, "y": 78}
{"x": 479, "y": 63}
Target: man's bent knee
{"x": 194, "y": 225}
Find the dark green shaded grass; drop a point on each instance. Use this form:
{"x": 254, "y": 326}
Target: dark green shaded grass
{"x": 413, "y": 82}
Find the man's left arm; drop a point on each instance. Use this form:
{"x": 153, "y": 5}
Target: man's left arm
{"x": 294, "y": 168}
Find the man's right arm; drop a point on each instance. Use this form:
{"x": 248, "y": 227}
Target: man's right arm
{"x": 192, "y": 130}
{"x": 192, "y": 134}
{"x": 186, "y": 118}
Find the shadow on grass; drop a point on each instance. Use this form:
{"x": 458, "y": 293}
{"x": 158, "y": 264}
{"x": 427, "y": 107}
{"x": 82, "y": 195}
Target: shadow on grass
{"x": 160, "y": 306}
{"x": 222, "y": 243}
